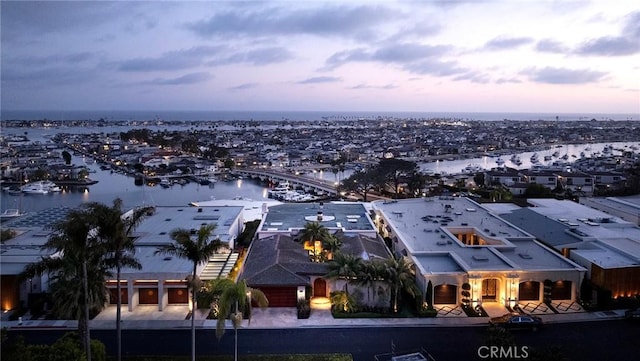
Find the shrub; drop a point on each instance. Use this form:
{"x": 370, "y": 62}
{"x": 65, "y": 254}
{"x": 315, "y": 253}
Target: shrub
{"x": 428, "y": 311}
{"x": 66, "y": 348}
{"x": 342, "y": 302}
{"x": 304, "y": 309}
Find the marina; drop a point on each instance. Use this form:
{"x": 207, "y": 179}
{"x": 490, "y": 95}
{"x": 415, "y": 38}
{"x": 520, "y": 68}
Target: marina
{"x": 111, "y": 185}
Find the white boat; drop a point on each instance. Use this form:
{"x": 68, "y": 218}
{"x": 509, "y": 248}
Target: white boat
{"x": 51, "y": 187}
{"x": 515, "y": 159}
{"x": 281, "y": 187}
{"x": 279, "y": 190}
{"x": 165, "y": 183}
{"x": 10, "y": 214}
{"x": 534, "y": 158}
{"x": 34, "y": 188}
{"x": 472, "y": 168}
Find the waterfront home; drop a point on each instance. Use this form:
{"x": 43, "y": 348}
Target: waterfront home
{"x": 605, "y": 245}
{"x": 506, "y": 176}
{"x": 162, "y": 279}
{"x": 286, "y": 269}
{"x": 459, "y": 245}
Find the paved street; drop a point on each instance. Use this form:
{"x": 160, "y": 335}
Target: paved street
{"x": 277, "y": 330}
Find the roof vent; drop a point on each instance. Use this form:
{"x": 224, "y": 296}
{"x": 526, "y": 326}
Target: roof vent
{"x": 525, "y": 256}
{"x": 480, "y": 258}
{"x": 199, "y": 210}
{"x": 167, "y": 258}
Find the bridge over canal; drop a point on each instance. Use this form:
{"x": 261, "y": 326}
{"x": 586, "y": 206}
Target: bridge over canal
{"x": 317, "y": 186}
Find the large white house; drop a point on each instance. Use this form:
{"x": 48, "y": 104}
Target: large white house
{"x": 459, "y": 245}
{"x": 162, "y": 279}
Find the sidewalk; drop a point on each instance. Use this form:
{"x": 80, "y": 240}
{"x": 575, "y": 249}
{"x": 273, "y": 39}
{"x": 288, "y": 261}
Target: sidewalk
{"x": 286, "y": 318}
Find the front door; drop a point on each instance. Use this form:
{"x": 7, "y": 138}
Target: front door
{"x": 319, "y": 288}
{"x": 489, "y": 289}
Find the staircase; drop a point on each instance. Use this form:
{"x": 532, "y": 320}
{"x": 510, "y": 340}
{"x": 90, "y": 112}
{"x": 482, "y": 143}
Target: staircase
{"x": 219, "y": 265}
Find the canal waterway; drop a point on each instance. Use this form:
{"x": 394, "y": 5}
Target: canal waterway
{"x": 112, "y": 185}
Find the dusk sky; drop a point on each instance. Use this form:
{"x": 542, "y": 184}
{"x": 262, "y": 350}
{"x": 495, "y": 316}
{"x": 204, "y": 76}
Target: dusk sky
{"x": 458, "y": 56}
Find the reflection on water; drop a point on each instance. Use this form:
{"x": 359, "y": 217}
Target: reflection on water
{"x": 113, "y": 185}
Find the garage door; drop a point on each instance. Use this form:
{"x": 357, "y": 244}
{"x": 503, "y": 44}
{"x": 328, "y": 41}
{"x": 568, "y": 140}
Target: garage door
{"x": 113, "y": 295}
{"x": 178, "y": 295}
{"x": 280, "y": 296}
{"x": 529, "y": 291}
{"x": 561, "y": 290}
{"x": 445, "y": 294}
{"x": 148, "y": 296}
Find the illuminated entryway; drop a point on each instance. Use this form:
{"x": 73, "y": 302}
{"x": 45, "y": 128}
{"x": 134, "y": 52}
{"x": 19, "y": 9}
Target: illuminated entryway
{"x": 489, "y": 290}
{"x": 319, "y": 288}
{"x": 320, "y": 300}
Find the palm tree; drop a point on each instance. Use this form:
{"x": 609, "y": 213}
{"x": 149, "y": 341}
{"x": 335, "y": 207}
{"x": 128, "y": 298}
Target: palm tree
{"x": 234, "y": 299}
{"x": 331, "y": 245}
{"x": 399, "y": 275}
{"x": 198, "y": 251}
{"x": 312, "y": 232}
{"x": 115, "y": 229}
{"x": 346, "y": 267}
{"x": 79, "y": 256}
{"x": 370, "y": 272}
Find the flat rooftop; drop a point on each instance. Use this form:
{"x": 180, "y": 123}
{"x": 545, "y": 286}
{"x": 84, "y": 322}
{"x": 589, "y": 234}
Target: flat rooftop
{"x": 32, "y": 231}
{"x": 600, "y": 237}
{"x": 606, "y": 258}
{"x": 339, "y": 215}
{"x": 429, "y": 227}
{"x": 156, "y": 229}
{"x": 437, "y": 263}
{"x": 39, "y": 219}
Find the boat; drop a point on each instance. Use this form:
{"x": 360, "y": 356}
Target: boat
{"x": 34, "y": 188}
{"x": 515, "y": 159}
{"x": 472, "y": 169}
{"x": 10, "y": 214}
{"x": 534, "y": 158}
{"x": 51, "y": 187}
{"x": 279, "y": 190}
{"x": 165, "y": 183}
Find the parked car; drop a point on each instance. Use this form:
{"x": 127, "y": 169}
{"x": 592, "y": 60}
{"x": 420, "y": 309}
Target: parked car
{"x": 632, "y": 314}
{"x": 515, "y": 321}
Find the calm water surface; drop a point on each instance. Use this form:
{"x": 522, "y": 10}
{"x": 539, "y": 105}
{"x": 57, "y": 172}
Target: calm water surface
{"x": 113, "y": 185}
